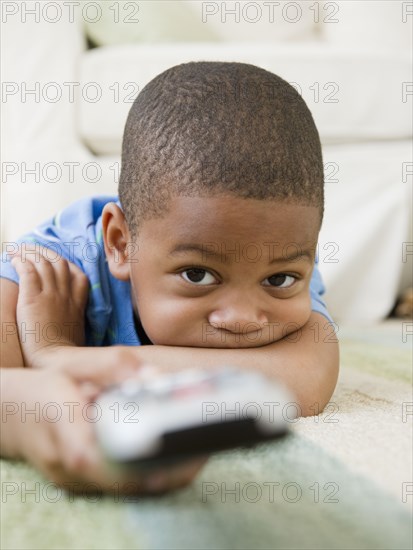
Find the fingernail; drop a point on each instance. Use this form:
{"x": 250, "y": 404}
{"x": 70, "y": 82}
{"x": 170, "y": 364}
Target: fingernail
{"x": 155, "y": 482}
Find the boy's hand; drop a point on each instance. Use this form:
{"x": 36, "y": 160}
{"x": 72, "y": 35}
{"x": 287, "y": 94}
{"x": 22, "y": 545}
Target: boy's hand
{"x": 55, "y": 435}
{"x": 51, "y": 305}
{"x": 51, "y": 301}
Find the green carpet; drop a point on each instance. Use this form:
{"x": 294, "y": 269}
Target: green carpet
{"x": 336, "y": 482}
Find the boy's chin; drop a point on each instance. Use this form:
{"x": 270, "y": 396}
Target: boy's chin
{"x": 224, "y": 343}
{"x": 215, "y": 338}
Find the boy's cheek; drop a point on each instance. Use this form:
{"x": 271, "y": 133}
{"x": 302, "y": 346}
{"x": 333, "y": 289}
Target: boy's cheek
{"x": 163, "y": 321}
{"x": 300, "y": 312}
{"x": 290, "y": 316}
{"x": 179, "y": 326}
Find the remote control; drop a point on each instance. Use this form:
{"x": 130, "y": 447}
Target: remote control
{"x": 171, "y": 417}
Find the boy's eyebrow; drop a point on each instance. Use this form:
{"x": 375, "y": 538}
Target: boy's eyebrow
{"x": 199, "y": 248}
{"x": 306, "y": 255}
{"x": 206, "y": 251}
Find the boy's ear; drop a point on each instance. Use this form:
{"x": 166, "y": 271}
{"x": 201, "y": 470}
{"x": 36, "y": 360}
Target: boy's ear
{"x": 116, "y": 238}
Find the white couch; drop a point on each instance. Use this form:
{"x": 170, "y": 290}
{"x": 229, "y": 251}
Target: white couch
{"x": 355, "y": 75}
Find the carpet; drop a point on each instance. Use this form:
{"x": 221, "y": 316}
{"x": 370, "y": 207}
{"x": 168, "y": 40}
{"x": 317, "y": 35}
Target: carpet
{"x": 342, "y": 480}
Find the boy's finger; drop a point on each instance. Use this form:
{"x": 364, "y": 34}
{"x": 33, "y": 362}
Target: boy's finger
{"x": 29, "y": 280}
{"x": 82, "y": 461}
{"x": 62, "y": 276}
{"x": 174, "y": 477}
{"x": 100, "y": 367}
{"x": 39, "y": 258}
{"x": 76, "y": 442}
{"x": 79, "y": 284}
{"x": 47, "y": 274}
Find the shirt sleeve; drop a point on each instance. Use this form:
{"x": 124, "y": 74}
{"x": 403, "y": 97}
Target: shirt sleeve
{"x": 75, "y": 233}
{"x": 71, "y": 233}
{"x": 317, "y": 290}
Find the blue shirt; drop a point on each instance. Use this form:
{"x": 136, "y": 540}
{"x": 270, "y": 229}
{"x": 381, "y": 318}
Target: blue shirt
{"x": 75, "y": 233}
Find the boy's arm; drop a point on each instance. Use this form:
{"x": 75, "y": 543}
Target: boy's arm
{"x": 65, "y": 451}
{"x": 307, "y": 361}
{"x": 10, "y": 350}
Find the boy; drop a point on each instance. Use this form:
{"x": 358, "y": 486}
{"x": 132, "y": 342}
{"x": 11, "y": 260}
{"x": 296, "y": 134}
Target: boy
{"x": 206, "y": 259}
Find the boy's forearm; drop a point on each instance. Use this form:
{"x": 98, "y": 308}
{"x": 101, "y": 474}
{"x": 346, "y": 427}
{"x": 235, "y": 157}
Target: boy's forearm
{"x": 306, "y": 361}
{"x": 11, "y": 382}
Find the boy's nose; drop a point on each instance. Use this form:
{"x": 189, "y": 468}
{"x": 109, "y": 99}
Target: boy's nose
{"x": 240, "y": 316}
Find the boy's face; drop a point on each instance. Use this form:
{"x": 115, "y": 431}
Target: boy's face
{"x": 221, "y": 272}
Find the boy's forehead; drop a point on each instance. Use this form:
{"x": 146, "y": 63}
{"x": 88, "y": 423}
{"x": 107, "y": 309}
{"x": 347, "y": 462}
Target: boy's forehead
{"x": 200, "y": 220}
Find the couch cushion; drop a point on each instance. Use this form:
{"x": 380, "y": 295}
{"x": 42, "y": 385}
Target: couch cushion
{"x": 353, "y": 95}
{"x": 364, "y": 240}
{"x": 108, "y": 23}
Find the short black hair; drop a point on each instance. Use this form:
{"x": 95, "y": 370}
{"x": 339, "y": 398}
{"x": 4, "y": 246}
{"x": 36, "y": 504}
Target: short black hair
{"x": 204, "y": 128}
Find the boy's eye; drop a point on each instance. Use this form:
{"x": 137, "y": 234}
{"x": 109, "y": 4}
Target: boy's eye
{"x": 198, "y": 276}
{"x": 281, "y": 280}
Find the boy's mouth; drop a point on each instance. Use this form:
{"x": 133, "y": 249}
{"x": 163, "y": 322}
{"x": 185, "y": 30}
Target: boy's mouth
{"x": 220, "y": 337}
